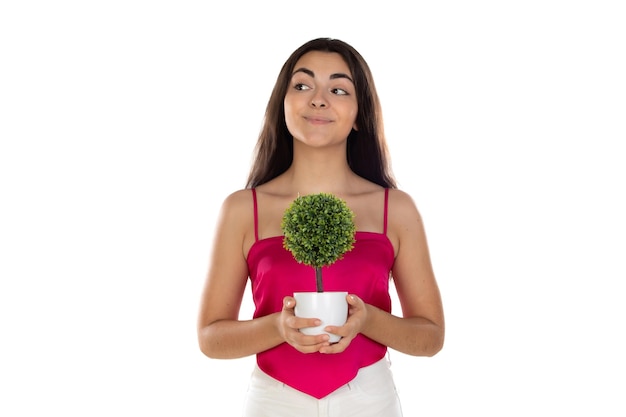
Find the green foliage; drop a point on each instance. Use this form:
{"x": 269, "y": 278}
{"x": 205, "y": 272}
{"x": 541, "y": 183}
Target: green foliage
{"x": 319, "y": 229}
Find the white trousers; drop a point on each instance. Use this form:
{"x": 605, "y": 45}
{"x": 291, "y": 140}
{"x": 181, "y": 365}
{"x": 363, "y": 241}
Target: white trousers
{"x": 372, "y": 393}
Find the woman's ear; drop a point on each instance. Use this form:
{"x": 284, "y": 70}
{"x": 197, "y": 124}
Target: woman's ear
{"x": 355, "y": 127}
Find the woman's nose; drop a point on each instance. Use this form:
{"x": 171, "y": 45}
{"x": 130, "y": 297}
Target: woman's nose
{"x": 318, "y": 100}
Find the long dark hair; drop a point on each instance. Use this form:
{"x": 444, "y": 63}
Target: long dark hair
{"x": 367, "y": 152}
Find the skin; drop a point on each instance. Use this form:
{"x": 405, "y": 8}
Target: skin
{"x": 320, "y": 111}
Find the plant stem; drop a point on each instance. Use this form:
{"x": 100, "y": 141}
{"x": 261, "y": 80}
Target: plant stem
{"x": 318, "y": 279}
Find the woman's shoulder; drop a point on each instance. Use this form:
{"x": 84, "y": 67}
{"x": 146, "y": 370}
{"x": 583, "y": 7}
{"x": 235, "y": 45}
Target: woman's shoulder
{"x": 237, "y": 201}
{"x": 401, "y": 204}
{"x": 238, "y": 195}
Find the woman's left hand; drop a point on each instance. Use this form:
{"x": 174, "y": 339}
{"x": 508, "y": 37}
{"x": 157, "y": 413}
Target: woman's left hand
{"x": 357, "y": 316}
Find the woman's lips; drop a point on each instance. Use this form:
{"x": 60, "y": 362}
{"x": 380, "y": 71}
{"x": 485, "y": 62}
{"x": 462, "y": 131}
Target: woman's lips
{"x": 318, "y": 120}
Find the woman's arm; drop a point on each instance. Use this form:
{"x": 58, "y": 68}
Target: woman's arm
{"x": 221, "y": 334}
{"x": 421, "y": 329}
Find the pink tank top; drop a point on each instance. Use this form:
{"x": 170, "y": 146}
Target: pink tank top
{"x": 274, "y": 274}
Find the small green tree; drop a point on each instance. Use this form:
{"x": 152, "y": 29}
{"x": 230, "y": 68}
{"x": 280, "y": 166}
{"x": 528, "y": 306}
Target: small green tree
{"x": 319, "y": 229}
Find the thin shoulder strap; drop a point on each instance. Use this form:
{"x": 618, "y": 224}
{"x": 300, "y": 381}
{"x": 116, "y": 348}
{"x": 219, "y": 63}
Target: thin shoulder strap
{"x": 385, "y": 218}
{"x": 256, "y": 216}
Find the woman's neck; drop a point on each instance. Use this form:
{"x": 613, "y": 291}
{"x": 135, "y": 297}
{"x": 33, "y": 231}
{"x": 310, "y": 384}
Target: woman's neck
{"x": 318, "y": 172}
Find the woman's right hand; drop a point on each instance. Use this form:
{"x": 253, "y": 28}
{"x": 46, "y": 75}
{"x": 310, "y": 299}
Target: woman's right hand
{"x": 289, "y": 324}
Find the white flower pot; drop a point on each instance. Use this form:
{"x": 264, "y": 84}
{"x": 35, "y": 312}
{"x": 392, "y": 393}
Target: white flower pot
{"x": 330, "y": 307}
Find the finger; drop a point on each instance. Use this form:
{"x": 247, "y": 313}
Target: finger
{"x": 352, "y": 299}
{"x": 309, "y": 344}
{"x": 289, "y": 303}
{"x": 302, "y": 322}
{"x": 312, "y": 348}
{"x": 338, "y": 347}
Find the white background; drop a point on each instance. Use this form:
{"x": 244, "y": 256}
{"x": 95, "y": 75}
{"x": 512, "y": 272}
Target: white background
{"x": 125, "y": 123}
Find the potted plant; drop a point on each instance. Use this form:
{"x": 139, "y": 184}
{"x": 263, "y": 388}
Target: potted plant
{"x": 319, "y": 229}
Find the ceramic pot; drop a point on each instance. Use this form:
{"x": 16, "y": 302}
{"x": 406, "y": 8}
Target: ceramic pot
{"x": 330, "y": 307}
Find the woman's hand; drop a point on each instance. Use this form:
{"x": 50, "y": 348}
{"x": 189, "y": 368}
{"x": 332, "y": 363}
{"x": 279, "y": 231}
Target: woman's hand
{"x": 288, "y": 327}
{"x": 357, "y": 316}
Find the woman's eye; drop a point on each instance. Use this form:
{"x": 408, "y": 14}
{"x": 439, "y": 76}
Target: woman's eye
{"x": 301, "y": 87}
{"x": 339, "y": 91}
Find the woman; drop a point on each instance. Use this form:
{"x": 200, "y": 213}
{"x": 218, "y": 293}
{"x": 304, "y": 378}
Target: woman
{"x": 323, "y": 132}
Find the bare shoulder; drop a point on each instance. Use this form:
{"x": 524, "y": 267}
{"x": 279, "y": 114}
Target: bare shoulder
{"x": 404, "y": 219}
{"x": 237, "y": 205}
{"x": 402, "y": 205}
{"x": 237, "y": 198}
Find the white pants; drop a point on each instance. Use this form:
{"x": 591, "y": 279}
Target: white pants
{"x": 372, "y": 393}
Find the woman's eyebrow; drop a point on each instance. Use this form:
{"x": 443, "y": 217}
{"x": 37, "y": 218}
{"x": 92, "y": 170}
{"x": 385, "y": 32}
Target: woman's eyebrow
{"x": 332, "y": 76}
{"x": 341, "y": 75}
{"x": 304, "y": 70}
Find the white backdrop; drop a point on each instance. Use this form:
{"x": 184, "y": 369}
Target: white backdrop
{"x": 125, "y": 123}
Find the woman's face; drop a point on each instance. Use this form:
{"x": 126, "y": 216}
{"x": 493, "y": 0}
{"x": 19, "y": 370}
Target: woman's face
{"x": 321, "y": 104}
